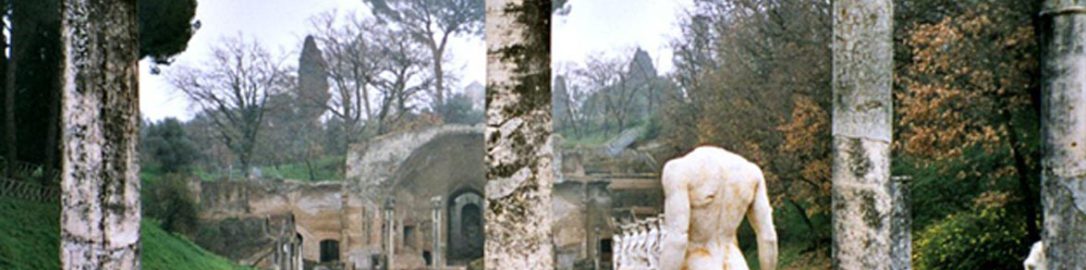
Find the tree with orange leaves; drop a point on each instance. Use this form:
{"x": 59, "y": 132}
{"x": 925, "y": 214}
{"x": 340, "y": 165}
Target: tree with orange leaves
{"x": 969, "y": 84}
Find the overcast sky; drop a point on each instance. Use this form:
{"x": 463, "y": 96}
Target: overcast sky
{"x": 609, "y": 27}
{"x": 592, "y": 27}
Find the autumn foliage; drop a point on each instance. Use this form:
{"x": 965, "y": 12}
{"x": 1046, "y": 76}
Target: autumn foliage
{"x": 967, "y": 130}
{"x": 755, "y": 76}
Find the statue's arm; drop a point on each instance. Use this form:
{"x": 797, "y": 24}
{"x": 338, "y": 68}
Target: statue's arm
{"x": 760, "y": 216}
{"x": 676, "y": 220}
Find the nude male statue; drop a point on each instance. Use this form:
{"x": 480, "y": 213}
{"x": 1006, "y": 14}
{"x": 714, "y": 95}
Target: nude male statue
{"x": 707, "y": 193}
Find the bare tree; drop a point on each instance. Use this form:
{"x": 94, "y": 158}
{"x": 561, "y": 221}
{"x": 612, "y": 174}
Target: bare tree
{"x": 432, "y": 23}
{"x": 617, "y": 90}
{"x": 7, "y": 64}
{"x": 567, "y": 98}
{"x": 604, "y": 76}
{"x": 233, "y": 89}
{"x": 401, "y": 76}
{"x": 352, "y": 67}
{"x": 376, "y": 72}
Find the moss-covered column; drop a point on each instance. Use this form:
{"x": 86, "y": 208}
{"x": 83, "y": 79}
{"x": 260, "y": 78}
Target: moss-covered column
{"x": 518, "y": 131}
{"x": 100, "y": 217}
{"x": 862, "y": 115}
{"x": 1063, "y": 125}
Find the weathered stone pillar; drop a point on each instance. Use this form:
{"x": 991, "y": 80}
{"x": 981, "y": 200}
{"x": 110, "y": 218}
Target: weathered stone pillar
{"x": 100, "y": 218}
{"x": 518, "y": 133}
{"x": 390, "y": 240}
{"x": 901, "y": 224}
{"x": 297, "y": 260}
{"x": 862, "y": 115}
{"x": 437, "y": 255}
{"x": 596, "y": 251}
{"x": 1063, "y": 125}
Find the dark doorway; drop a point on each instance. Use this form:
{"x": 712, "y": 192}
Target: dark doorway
{"x": 465, "y": 227}
{"x": 409, "y": 236}
{"x": 329, "y": 250}
{"x": 605, "y": 253}
{"x": 471, "y": 227}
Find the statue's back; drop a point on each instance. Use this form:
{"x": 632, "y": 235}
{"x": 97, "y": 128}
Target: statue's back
{"x": 721, "y": 187}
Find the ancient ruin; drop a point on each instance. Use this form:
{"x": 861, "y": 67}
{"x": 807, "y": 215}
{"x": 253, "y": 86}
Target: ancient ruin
{"x": 404, "y": 191}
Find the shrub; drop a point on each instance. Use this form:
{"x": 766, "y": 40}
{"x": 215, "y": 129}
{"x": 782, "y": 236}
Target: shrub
{"x": 987, "y": 238}
{"x": 171, "y": 203}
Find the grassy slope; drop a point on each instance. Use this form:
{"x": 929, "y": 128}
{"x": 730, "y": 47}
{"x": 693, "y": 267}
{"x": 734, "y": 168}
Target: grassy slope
{"x": 29, "y": 235}
{"x": 29, "y": 239}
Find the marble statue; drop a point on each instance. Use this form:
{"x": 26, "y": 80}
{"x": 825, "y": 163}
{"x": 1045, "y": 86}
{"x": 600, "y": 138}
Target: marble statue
{"x": 707, "y": 193}
{"x": 1036, "y": 259}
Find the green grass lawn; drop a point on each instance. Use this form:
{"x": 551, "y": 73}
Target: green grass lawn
{"x": 30, "y": 236}
{"x": 325, "y": 168}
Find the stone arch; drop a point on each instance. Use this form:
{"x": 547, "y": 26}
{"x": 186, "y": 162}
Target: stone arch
{"x": 375, "y": 166}
{"x": 414, "y": 167}
{"x": 450, "y": 166}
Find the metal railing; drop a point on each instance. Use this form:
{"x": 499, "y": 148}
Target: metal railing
{"x": 28, "y": 181}
{"x": 29, "y": 190}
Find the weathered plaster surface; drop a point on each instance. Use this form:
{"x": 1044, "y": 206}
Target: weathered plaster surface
{"x": 250, "y": 205}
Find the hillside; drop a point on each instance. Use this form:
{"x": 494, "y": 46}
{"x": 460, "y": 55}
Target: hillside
{"x": 29, "y": 239}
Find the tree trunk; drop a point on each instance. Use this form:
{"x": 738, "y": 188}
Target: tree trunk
{"x": 439, "y": 80}
{"x": 244, "y": 159}
{"x": 10, "y": 140}
{"x": 806, "y": 221}
{"x": 1063, "y": 125}
{"x": 1023, "y": 173}
{"x": 862, "y": 117}
{"x": 52, "y": 148}
{"x": 309, "y": 168}
{"x": 518, "y": 134}
{"x": 100, "y": 218}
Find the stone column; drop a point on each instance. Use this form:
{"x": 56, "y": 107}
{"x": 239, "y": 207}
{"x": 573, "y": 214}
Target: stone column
{"x": 437, "y": 255}
{"x": 901, "y": 222}
{"x": 390, "y": 241}
{"x": 596, "y": 251}
{"x": 518, "y": 132}
{"x": 298, "y": 259}
{"x": 862, "y": 116}
{"x": 100, "y": 206}
{"x": 1063, "y": 126}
